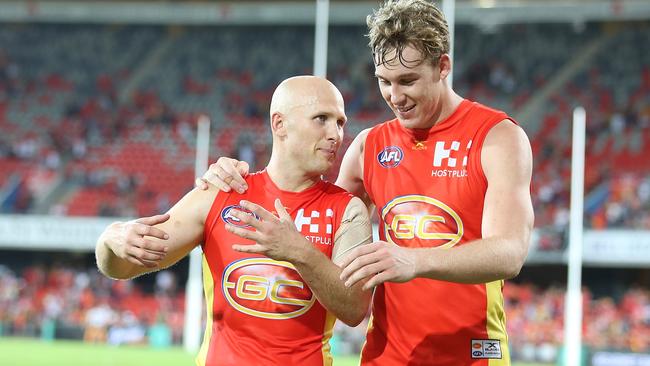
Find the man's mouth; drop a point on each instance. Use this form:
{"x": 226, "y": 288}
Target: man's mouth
{"x": 405, "y": 109}
{"x": 330, "y": 152}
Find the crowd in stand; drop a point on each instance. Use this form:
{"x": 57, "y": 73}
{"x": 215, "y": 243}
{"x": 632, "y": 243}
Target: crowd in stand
{"x": 80, "y": 303}
{"x": 71, "y": 303}
{"x": 535, "y": 320}
{"x": 86, "y": 119}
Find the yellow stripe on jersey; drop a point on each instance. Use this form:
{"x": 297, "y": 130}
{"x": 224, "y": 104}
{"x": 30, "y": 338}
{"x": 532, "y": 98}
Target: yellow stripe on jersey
{"x": 496, "y": 321}
{"x": 208, "y": 289}
{"x": 330, "y": 319}
{"x": 368, "y": 329}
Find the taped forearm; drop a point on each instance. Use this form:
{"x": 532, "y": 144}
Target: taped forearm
{"x": 355, "y": 230}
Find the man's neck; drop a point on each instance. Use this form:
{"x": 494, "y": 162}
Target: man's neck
{"x": 290, "y": 179}
{"x": 450, "y": 103}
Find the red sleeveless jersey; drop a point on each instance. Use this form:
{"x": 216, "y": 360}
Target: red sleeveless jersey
{"x": 260, "y": 311}
{"x": 429, "y": 187}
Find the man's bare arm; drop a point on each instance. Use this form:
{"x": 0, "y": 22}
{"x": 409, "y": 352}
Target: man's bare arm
{"x": 277, "y": 238}
{"x": 129, "y": 249}
{"x": 507, "y": 215}
{"x": 350, "y": 175}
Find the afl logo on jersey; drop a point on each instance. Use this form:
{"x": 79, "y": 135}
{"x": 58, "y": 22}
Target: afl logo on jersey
{"x": 265, "y": 288}
{"x": 421, "y": 221}
{"x": 390, "y": 156}
{"x": 227, "y": 216}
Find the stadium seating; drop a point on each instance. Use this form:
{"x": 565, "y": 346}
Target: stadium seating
{"x": 535, "y": 315}
{"x": 137, "y": 112}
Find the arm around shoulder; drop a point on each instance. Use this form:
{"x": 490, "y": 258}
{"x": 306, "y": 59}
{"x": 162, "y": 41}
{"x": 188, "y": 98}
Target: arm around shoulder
{"x": 129, "y": 249}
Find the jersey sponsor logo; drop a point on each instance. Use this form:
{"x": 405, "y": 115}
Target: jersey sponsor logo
{"x": 265, "y": 288}
{"x": 486, "y": 348}
{"x": 319, "y": 240}
{"x": 390, "y": 156}
{"x": 226, "y": 215}
{"x": 303, "y": 222}
{"x": 450, "y": 159}
{"x": 421, "y": 221}
{"x": 311, "y": 225}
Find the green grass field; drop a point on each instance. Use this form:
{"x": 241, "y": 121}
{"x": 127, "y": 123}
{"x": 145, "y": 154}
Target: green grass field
{"x": 33, "y": 352}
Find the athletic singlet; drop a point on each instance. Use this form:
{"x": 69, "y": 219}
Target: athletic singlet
{"x": 260, "y": 312}
{"x": 429, "y": 187}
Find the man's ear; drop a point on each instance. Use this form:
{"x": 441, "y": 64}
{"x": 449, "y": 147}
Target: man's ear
{"x": 278, "y": 125}
{"x": 445, "y": 66}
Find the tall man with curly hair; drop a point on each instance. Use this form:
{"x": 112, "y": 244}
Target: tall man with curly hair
{"x": 450, "y": 180}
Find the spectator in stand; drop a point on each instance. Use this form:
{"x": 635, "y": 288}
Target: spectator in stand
{"x": 126, "y": 330}
{"x": 98, "y": 319}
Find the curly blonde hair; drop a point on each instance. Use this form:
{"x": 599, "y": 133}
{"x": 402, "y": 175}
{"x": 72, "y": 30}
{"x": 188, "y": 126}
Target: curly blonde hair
{"x": 400, "y": 23}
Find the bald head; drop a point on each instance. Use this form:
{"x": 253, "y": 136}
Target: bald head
{"x": 307, "y": 119}
{"x": 302, "y": 91}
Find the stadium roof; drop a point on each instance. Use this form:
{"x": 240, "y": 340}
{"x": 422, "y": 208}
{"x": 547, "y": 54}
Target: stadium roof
{"x": 484, "y": 13}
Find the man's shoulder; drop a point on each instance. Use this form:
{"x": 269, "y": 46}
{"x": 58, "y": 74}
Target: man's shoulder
{"x": 255, "y": 176}
{"x": 333, "y": 190}
{"x": 258, "y": 183}
{"x": 390, "y": 128}
{"x": 335, "y": 195}
{"x": 196, "y": 205}
{"x": 391, "y": 123}
{"x": 476, "y": 108}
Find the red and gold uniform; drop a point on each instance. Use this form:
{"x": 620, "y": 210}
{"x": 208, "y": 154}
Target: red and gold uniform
{"x": 260, "y": 311}
{"x": 429, "y": 188}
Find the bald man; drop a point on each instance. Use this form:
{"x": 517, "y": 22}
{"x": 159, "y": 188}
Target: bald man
{"x": 270, "y": 255}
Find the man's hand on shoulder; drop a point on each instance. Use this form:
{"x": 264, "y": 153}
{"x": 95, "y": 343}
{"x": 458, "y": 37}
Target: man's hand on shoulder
{"x": 226, "y": 174}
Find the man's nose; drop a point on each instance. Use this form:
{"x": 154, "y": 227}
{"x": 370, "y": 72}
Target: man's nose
{"x": 396, "y": 95}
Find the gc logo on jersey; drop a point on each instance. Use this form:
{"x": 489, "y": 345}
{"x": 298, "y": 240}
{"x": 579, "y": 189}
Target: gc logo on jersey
{"x": 421, "y": 221}
{"x": 227, "y": 216}
{"x": 390, "y": 156}
{"x": 266, "y": 288}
